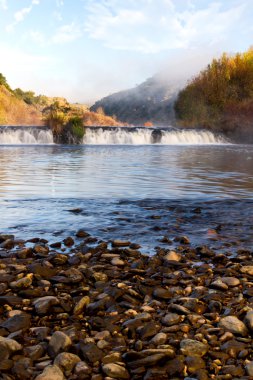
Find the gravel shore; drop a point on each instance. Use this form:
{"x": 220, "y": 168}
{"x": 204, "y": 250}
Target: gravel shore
{"x": 107, "y": 311}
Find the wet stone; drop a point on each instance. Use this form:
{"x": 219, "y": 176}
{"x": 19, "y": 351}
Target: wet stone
{"x": 66, "y": 361}
{"x": 193, "y": 347}
{"x": 115, "y": 371}
{"x": 162, "y": 293}
{"x": 43, "y": 304}
{"x": 51, "y": 373}
{"x": 91, "y": 352}
{"x": 249, "y": 320}
{"x": 249, "y": 369}
{"x": 234, "y": 325}
{"x": 59, "y": 342}
{"x": 171, "y": 319}
{"x": 17, "y": 322}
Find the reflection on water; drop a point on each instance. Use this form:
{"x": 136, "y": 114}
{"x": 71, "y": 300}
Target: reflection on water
{"x": 126, "y": 172}
{"x": 123, "y": 191}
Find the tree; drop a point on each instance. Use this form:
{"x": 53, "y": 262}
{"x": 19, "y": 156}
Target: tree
{"x": 3, "y": 82}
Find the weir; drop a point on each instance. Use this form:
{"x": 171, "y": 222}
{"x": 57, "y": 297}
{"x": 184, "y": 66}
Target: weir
{"x": 113, "y": 136}
{"x": 25, "y": 136}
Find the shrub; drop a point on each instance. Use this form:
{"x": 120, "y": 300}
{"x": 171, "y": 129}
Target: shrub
{"x": 75, "y": 124}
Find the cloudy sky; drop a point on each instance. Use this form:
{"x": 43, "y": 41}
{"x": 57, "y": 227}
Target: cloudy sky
{"x": 86, "y": 49}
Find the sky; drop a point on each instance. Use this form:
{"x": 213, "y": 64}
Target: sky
{"x": 86, "y": 49}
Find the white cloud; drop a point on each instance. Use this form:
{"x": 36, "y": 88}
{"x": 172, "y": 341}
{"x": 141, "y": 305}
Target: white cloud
{"x": 3, "y": 4}
{"x": 19, "y": 16}
{"x": 152, "y": 26}
{"x": 67, "y": 33}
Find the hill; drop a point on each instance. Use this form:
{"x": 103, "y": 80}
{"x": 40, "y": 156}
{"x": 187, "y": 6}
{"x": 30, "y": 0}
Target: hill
{"x": 221, "y": 97}
{"x": 149, "y": 102}
{"x": 14, "y": 111}
{"x": 24, "y": 108}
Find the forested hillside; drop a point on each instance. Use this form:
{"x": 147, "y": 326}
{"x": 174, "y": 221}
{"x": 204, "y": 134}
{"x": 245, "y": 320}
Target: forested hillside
{"x": 221, "y": 97}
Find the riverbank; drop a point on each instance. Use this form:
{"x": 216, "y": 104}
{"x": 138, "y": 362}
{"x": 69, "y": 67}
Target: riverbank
{"x": 109, "y": 312}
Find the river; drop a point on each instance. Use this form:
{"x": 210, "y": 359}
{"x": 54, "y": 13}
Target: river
{"x": 201, "y": 186}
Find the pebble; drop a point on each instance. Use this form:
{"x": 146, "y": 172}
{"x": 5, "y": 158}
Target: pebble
{"x": 51, "y": 373}
{"x": 234, "y": 325}
{"x": 113, "y": 313}
{"x": 59, "y": 342}
{"x": 115, "y": 371}
{"x": 191, "y": 347}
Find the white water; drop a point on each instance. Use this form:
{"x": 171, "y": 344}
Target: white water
{"x": 142, "y": 136}
{"x": 30, "y": 136}
{"x": 114, "y": 136}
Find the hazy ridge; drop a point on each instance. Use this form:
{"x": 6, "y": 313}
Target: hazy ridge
{"x": 151, "y": 101}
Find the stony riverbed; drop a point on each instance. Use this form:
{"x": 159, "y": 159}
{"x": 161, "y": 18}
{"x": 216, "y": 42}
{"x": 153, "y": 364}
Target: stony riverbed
{"x": 107, "y": 311}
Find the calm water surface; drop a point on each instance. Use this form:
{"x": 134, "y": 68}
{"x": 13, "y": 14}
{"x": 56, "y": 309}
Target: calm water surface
{"x": 148, "y": 191}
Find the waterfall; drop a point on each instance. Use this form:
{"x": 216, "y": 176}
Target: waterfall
{"x": 26, "y": 136}
{"x": 113, "y": 136}
{"x": 142, "y": 136}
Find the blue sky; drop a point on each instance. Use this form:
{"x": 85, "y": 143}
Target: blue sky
{"x": 86, "y": 49}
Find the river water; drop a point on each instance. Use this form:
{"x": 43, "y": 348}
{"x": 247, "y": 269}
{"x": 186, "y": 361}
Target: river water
{"x": 138, "y": 192}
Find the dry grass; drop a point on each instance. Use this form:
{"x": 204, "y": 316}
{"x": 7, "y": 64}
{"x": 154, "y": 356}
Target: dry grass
{"x": 14, "y": 111}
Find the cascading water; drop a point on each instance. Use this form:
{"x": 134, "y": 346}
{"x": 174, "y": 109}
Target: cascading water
{"x": 26, "y": 136}
{"x": 112, "y": 136}
{"x": 142, "y": 136}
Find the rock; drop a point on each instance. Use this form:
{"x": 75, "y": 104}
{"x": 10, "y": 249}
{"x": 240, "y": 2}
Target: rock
{"x": 150, "y": 329}
{"x": 22, "y": 369}
{"x": 190, "y": 347}
{"x": 148, "y": 357}
{"x": 17, "y": 322}
{"x": 112, "y": 358}
{"x": 59, "y": 342}
{"x": 4, "y": 352}
{"x": 34, "y": 352}
{"x": 120, "y": 243}
{"x": 162, "y": 293}
{"x": 234, "y": 325}
{"x": 66, "y": 362}
{"x": 24, "y": 282}
{"x": 231, "y": 281}
{"x": 171, "y": 319}
{"x": 4, "y": 237}
{"x": 249, "y": 369}
{"x": 10, "y": 344}
{"x": 43, "y": 304}
{"x": 115, "y": 371}
{"x": 81, "y": 304}
{"x": 7, "y": 244}
{"x": 91, "y": 352}
{"x": 82, "y": 371}
{"x": 117, "y": 262}
{"x": 68, "y": 241}
{"x": 41, "y": 249}
{"x": 175, "y": 366}
{"x": 5, "y": 365}
{"x": 82, "y": 234}
{"x": 51, "y": 372}
{"x": 194, "y": 363}
{"x": 155, "y": 374}
{"x": 44, "y": 271}
{"x": 40, "y": 332}
{"x": 172, "y": 256}
{"x": 218, "y": 284}
{"x": 249, "y": 320}
{"x": 159, "y": 339}
{"x": 247, "y": 269}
